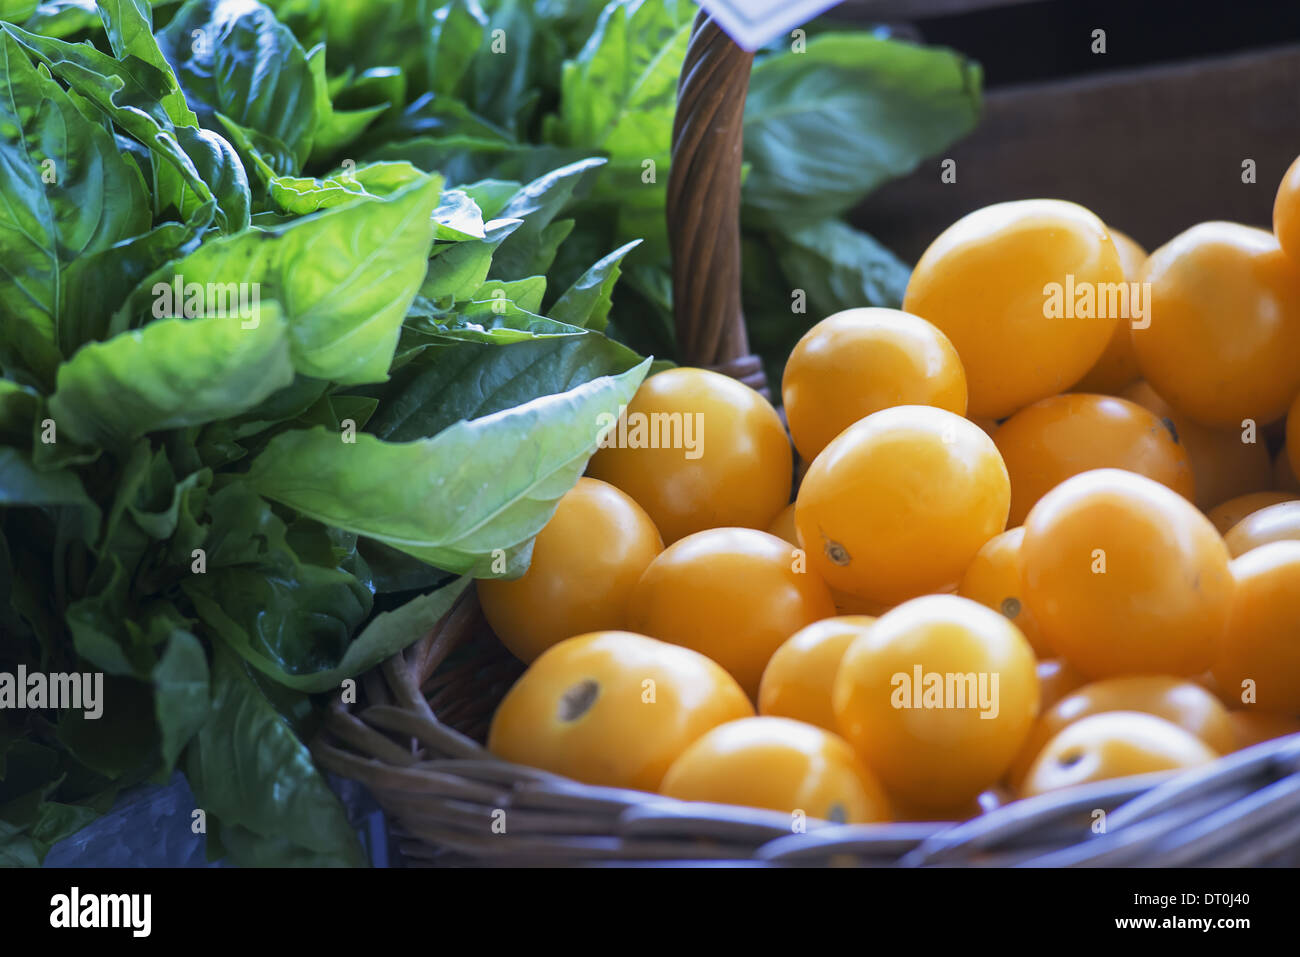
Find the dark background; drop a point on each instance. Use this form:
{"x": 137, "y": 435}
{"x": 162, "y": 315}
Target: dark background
{"x": 1150, "y": 135}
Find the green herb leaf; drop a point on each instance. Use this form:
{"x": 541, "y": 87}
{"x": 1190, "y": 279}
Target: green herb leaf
{"x": 170, "y": 374}
{"x": 344, "y": 277}
{"x": 456, "y": 499}
{"x": 841, "y": 267}
{"x": 67, "y": 192}
{"x": 248, "y": 770}
{"x": 587, "y": 302}
{"x": 874, "y": 107}
{"x": 233, "y": 57}
{"x": 200, "y": 165}
{"x": 447, "y": 385}
{"x": 530, "y": 249}
{"x": 303, "y": 195}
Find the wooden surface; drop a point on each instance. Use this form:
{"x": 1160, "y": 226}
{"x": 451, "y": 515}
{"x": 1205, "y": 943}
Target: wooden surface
{"x": 1151, "y": 151}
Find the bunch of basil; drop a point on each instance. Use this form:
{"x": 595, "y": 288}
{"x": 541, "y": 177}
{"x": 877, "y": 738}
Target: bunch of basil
{"x": 230, "y": 511}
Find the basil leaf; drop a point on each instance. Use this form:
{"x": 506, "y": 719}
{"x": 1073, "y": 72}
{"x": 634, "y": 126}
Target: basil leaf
{"x": 455, "y": 499}
{"x": 874, "y": 107}
{"x": 344, "y": 277}
{"x": 250, "y": 772}
{"x": 67, "y": 192}
{"x": 171, "y": 374}
{"x": 587, "y": 302}
{"x": 234, "y": 58}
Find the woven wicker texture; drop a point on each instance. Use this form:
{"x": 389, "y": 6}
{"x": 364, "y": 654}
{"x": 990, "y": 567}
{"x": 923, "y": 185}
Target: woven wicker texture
{"x": 416, "y": 742}
{"x": 704, "y": 206}
{"x": 416, "y": 739}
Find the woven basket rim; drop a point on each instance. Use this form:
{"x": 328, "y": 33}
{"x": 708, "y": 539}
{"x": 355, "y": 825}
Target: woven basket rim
{"x": 445, "y": 792}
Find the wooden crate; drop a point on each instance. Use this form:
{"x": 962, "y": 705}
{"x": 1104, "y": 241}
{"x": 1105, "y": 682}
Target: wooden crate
{"x": 1152, "y": 150}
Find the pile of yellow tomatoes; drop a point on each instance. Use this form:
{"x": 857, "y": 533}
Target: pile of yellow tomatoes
{"x": 1033, "y": 537}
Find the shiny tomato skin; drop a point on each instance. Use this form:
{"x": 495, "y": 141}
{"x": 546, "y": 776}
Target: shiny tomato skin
{"x": 733, "y": 594}
{"x": 1114, "y": 744}
{"x": 1047, "y": 442}
{"x": 1125, "y": 576}
{"x": 860, "y": 361}
{"x": 1286, "y": 212}
{"x": 800, "y": 676}
{"x": 780, "y": 765}
{"x": 937, "y": 751}
{"x": 1118, "y": 366}
{"x": 613, "y": 708}
{"x": 1276, "y": 523}
{"x": 585, "y": 563}
{"x": 783, "y": 526}
{"x": 899, "y": 503}
{"x": 731, "y": 468}
{"x": 993, "y": 578}
{"x": 983, "y": 282}
{"x": 1225, "y": 325}
{"x": 1228, "y": 514}
{"x": 1224, "y": 464}
{"x": 1178, "y": 700}
{"x": 1261, "y": 649}
{"x": 1056, "y": 679}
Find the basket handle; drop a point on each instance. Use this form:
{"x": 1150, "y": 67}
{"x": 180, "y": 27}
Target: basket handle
{"x": 704, "y": 206}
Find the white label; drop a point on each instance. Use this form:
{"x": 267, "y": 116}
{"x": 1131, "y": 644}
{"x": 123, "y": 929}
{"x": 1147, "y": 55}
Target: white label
{"x": 751, "y": 23}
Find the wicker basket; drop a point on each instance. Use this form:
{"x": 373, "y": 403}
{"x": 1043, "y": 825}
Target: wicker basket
{"x": 416, "y": 738}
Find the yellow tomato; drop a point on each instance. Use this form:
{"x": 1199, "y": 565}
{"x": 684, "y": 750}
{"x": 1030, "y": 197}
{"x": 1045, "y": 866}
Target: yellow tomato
{"x": 1117, "y": 366}
{"x": 781, "y": 765}
{"x": 1225, "y": 325}
{"x": 1256, "y": 727}
{"x": 613, "y": 708}
{"x": 783, "y": 526}
{"x": 1262, "y": 643}
{"x": 1183, "y": 702}
{"x": 1056, "y": 679}
{"x": 899, "y": 503}
{"x": 993, "y": 579}
{"x": 1114, "y": 745}
{"x": 1224, "y": 465}
{"x": 937, "y": 697}
{"x": 1277, "y": 523}
{"x": 585, "y": 562}
{"x": 1125, "y": 576}
{"x": 1226, "y": 697}
{"x": 905, "y": 810}
{"x": 1292, "y": 442}
{"x": 1286, "y": 212}
{"x": 734, "y": 594}
{"x": 1284, "y": 477}
{"x": 1051, "y": 440}
{"x": 697, "y": 450}
{"x": 860, "y": 361}
{"x": 849, "y": 604}
{"x": 1229, "y": 513}
{"x": 985, "y": 283}
{"x": 798, "y": 680}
